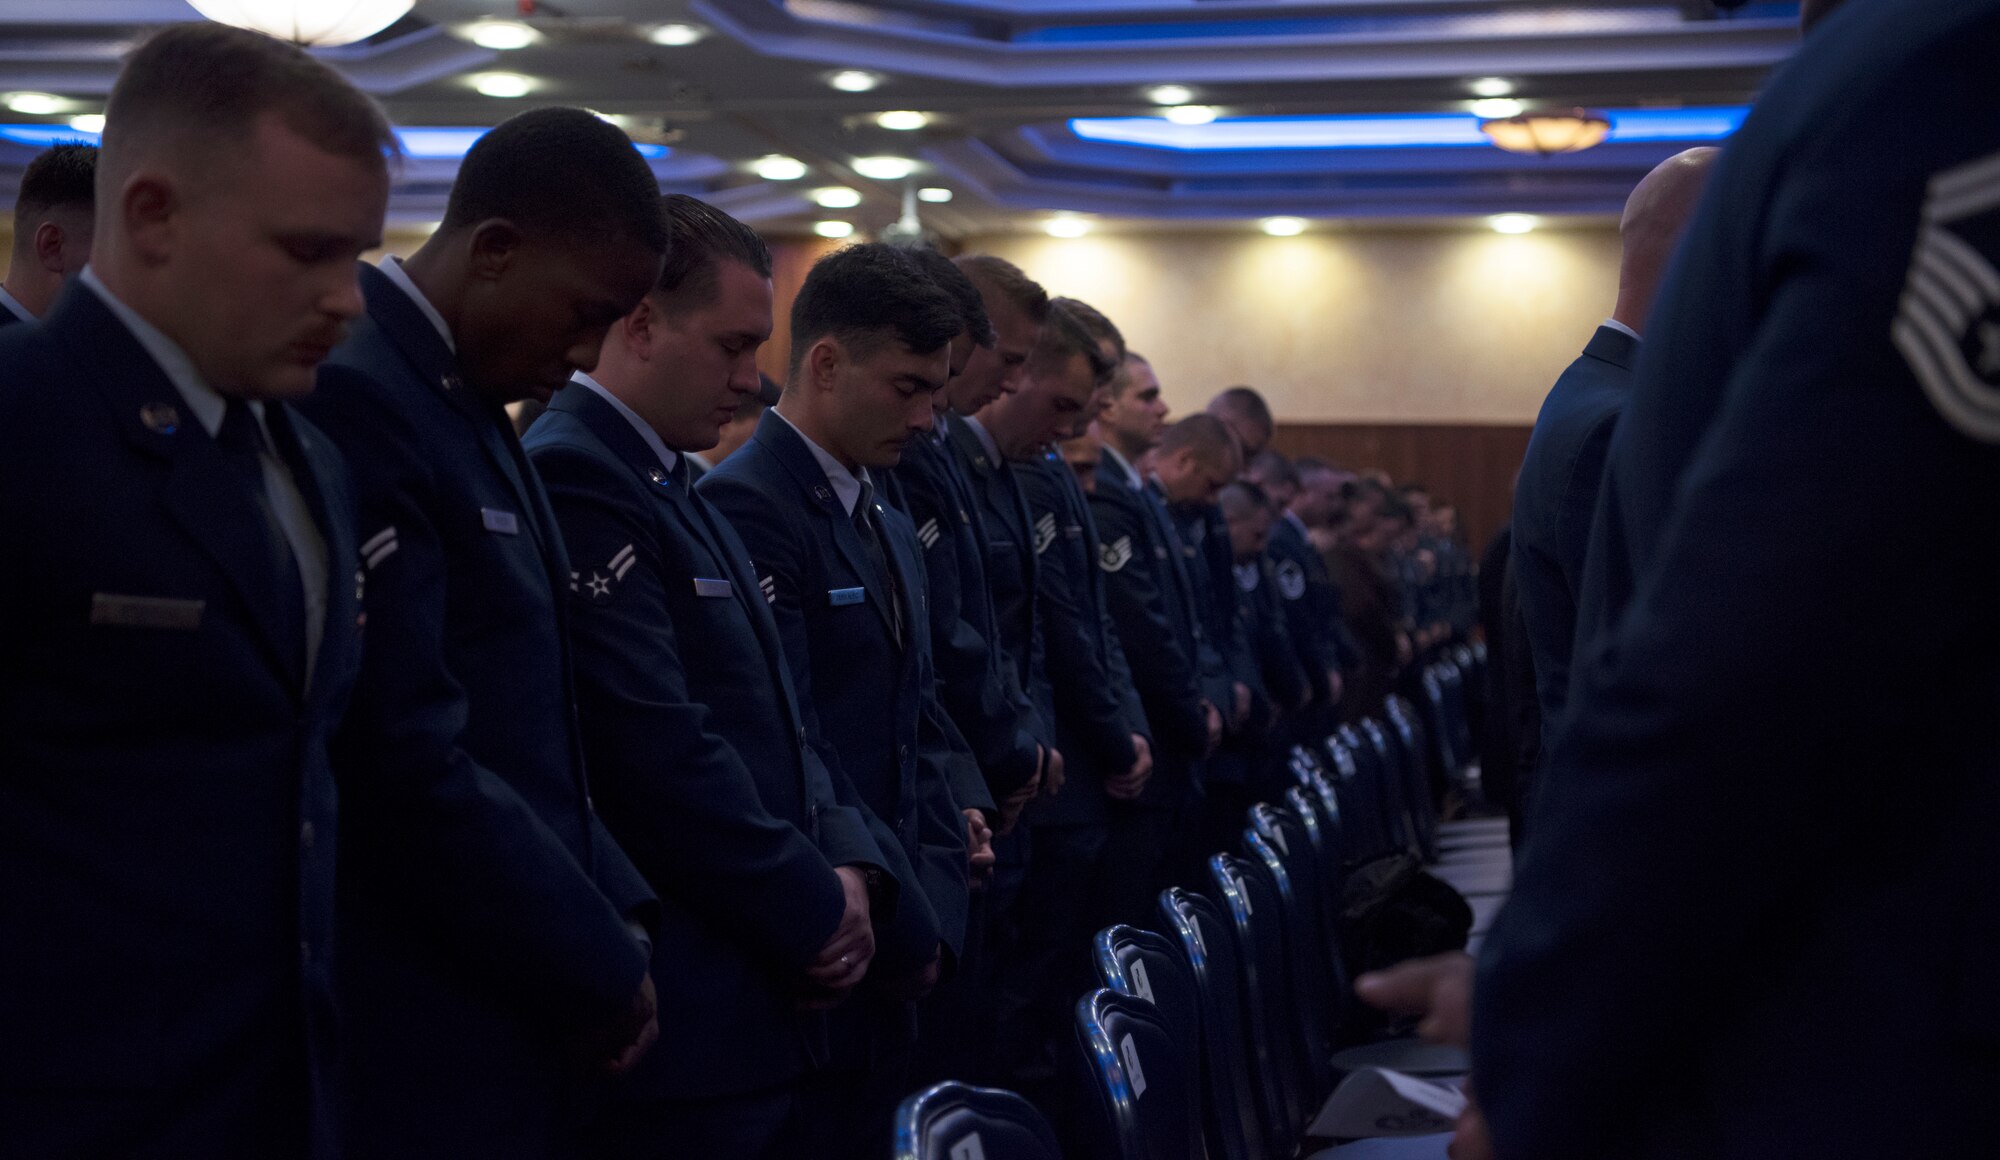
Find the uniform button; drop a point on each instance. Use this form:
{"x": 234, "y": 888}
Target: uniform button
{"x": 306, "y": 835}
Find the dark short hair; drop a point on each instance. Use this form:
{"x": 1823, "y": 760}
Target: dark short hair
{"x": 1064, "y": 336}
{"x": 1208, "y": 435}
{"x": 1243, "y": 493}
{"x": 1273, "y": 467}
{"x": 1121, "y": 379}
{"x": 952, "y": 280}
{"x": 205, "y": 85}
{"x": 1306, "y": 465}
{"x": 1003, "y": 279}
{"x": 866, "y": 294}
{"x": 700, "y": 238}
{"x": 1244, "y": 401}
{"x": 559, "y": 171}
{"x": 60, "y": 177}
{"x": 1100, "y": 328}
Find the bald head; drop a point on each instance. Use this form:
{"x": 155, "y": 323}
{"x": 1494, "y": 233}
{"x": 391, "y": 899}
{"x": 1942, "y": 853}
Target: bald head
{"x": 1655, "y": 215}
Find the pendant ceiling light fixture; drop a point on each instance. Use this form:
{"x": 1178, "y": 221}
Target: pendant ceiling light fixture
{"x": 1548, "y": 132}
{"x": 318, "y": 23}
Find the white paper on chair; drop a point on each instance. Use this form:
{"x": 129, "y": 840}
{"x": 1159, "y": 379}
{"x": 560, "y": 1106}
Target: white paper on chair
{"x": 1378, "y": 1102}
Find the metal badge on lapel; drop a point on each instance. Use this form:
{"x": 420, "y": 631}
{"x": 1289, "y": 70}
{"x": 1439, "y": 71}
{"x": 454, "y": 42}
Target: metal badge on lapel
{"x": 821, "y": 493}
{"x": 160, "y": 417}
{"x": 712, "y": 588}
{"x": 842, "y": 597}
{"x": 451, "y": 382}
{"x": 504, "y": 523}
{"x": 658, "y": 476}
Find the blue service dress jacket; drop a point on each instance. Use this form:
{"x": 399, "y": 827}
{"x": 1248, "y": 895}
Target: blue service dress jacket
{"x": 978, "y": 686}
{"x": 1555, "y": 500}
{"x": 706, "y": 768}
{"x": 457, "y": 1044}
{"x": 1758, "y": 909}
{"x": 167, "y": 804}
{"x": 858, "y": 642}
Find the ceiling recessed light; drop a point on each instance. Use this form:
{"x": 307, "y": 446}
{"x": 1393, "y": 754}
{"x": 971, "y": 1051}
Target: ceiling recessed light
{"x": 1512, "y": 223}
{"x": 1191, "y": 114}
{"x": 87, "y": 123}
{"x": 1497, "y": 108}
{"x": 1284, "y": 227}
{"x": 833, "y": 229}
{"x": 501, "y": 35}
{"x": 1170, "y": 94}
{"x": 835, "y": 197}
{"x": 854, "y": 80}
{"x": 903, "y": 120}
{"x": 884, "y": 168}
{"x": 778, "y": 167}
{"x": 677, "y": 35}
{"x": 1492, "y": 87}
{"x": 935, "y": 194}
{"x": 502, "y": 84}
{"x": 35, "y": 104}
{"x": 1066, "y": 226}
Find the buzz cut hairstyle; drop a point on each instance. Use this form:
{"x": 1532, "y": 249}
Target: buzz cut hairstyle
{"x": 868, "y": 295}
{"x": 700, "y": 238}
{"x": 1245, "y": 401}
{"x": 560, "y": 172}
{"x": 60, "y": 177}
{"x": 1209, "y": 436}
{"x": 952, "y": 280}
{"x": 204, "y": 86}
{"x": 1101, "y": 328}
{"x": 1064, "y": 336}
{"x": 1003, "y": 279}
{"x": 1273, "y": 467}
{"x": 1243, "y": 492}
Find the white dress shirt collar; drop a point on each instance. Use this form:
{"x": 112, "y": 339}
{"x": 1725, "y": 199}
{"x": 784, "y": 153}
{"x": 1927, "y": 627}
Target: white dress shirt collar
{"x": 846, "y": 486}
{"x": 1623, "y": 329}
{"x": 1125, "y": 465}
{"x": 392, "y": 269}
{"x": 668, "y": 457}
{"x": 14, "y": 306}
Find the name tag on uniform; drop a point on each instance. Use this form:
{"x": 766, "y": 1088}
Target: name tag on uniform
{"x": 712, "y": 588}
{"x": 505, "y": 523}
{"x": 842, "y": 597}
{"x": 146, "y": 612}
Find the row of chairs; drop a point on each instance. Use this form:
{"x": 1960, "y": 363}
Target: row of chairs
{"x": 1216, "y": 1036}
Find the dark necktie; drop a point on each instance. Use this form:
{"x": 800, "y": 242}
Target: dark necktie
{"x": 871, "y": 540}
{"x": 243, "y": 447}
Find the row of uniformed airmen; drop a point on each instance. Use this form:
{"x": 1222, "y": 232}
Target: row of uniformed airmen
{"x": 290, "y": 605}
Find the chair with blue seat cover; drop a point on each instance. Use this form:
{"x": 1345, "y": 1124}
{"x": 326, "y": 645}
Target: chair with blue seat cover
{"x": 1149, "y": 1107}
{"x": 1399, "y": 810}
{"x": 954, "y": 1121}
{"x": 1310, "y": 990}
{"x": 1426, "y": 782}
{"x": 1235, "y": 1105}
{"x": 1150, "y": 966}
{"x": 1444, "y": 749}
{"x": 1279, "y": 1067}
{"x": 1360, "y": 818}
{"x": 1305, "y": 806}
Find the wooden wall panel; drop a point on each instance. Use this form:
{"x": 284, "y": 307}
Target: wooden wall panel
{"x": 1472, "y": 465}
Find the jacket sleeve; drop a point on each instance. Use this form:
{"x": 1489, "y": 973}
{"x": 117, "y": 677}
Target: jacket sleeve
{"x": 465, "y": 852}
{"x": 685, "y": 805}
{"x": 1162, "y": 667}
{"x": 1076, "y": 669}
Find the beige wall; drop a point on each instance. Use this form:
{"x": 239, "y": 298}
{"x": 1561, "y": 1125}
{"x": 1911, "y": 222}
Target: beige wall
{"x": 1362, "y": 326}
